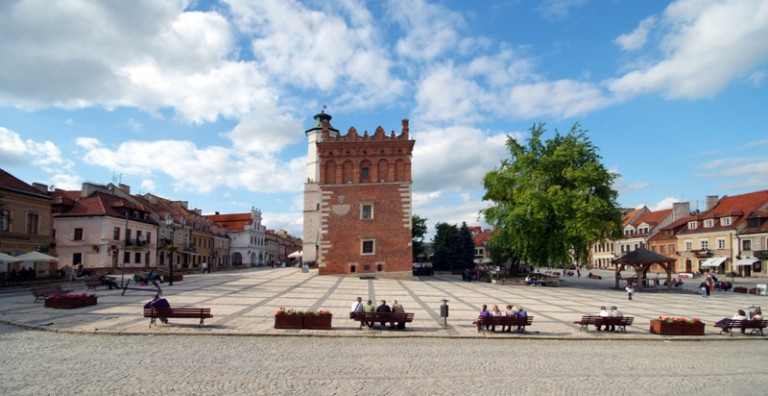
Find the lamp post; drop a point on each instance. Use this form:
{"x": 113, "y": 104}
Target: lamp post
{"x": 169, "y": 223}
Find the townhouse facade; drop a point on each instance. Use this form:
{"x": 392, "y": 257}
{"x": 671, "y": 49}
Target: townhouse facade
{"x": 25, "y": 222}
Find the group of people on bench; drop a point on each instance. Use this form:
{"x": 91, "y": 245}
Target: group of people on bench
{"x": 612, "y": 313}
{"x": 358, "y": 306}
{"x": 757, "y": 314}
{"x": 510, "y": 310}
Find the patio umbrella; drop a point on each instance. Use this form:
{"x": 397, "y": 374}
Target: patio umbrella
{"x": 295, "y": 254}
{"x": 7, "y": 258}
{"x": 35, "y": 256}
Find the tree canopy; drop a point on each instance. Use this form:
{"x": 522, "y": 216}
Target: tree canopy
{"x": 552, "y": 198}
{"x": 453, "y": 246}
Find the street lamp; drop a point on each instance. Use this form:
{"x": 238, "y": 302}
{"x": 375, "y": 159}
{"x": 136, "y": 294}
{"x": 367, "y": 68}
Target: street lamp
{"x": 169, "y": 223}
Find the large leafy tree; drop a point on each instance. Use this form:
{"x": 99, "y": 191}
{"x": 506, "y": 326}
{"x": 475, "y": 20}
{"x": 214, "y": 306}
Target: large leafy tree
{"x": 418, "y": 230}
{"x": 552, "y": 198}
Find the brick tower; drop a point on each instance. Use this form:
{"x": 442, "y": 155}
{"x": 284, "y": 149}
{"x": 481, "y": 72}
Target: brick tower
{"x": 357, "y": 201}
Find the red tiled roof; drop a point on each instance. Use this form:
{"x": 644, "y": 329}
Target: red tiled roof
{"x": 653, "y": 218}
{"x": 232, "y": 222}
{"x": 736, "y": 207}
{"x": 629, "y": 216}
{"x": 102, "y": 204}
{"x": 10, "y": 182}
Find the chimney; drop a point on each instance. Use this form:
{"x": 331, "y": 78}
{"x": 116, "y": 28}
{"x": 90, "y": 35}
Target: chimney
{"x": 680, "y": 210}
{"x": 125, "y": 188}
{"x": 711, "y": 201}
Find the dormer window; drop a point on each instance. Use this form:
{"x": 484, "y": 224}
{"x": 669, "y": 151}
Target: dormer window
{"x": 708, "y": 223}
{"x": 691, "y": 225}
{"x": 726, "y": 221}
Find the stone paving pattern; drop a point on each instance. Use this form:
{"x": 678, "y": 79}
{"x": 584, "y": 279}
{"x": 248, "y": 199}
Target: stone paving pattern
{"x": 554, "y": 357}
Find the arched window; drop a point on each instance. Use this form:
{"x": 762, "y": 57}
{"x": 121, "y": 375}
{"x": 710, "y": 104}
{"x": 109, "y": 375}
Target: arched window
{"x": 365, "y": 171}
{"x": 382, "y": 174}
{"x": 347, "y": 172}
{"x": 330, "y": 173}
{"x": 400, "y": 170}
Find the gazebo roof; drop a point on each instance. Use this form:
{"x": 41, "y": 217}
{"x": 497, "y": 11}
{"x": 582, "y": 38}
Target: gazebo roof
{"x": 642, "y": 255}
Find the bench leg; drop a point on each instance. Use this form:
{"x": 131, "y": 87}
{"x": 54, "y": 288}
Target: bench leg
{"x": 152, "y": 322}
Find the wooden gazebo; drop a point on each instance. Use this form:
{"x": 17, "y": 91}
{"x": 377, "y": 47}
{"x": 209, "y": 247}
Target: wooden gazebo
{"x": 641, "y": 259}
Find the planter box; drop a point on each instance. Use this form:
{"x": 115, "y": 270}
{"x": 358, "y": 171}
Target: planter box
{"x": 70, "y": 303}
{"x": 677, "y": 328}
{"x": 289, "y": 321}
{"x": 739, "y": 289}
{"x": 317, "y": 322}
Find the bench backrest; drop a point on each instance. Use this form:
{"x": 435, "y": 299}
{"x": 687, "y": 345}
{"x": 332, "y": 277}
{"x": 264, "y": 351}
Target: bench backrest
{"x": 506, "y": 320}
{"x": 169, "y": 312}
{"x": 748, "y": 323}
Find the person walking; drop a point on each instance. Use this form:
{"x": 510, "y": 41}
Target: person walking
{"x": 630, "y": 291}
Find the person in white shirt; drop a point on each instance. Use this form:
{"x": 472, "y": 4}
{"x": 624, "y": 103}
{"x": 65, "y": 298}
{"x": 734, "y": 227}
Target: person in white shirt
{"x": 614, "y": 313}
{"x": 357, "y": 307}
{"x": 604, "y": 313}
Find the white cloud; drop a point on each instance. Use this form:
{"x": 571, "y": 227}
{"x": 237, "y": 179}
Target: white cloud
{"x": 198, "y": 169}
{"x": 638, "y": 37}
{"x": 319, "y": 49}
{"x": 266, "y": 130}
{"x": 442, "y": 159}
{"x": 430, "y": 30}
{"x": 708, "y": 45}
{"x": 561, "y": 99}
{"x": 665, "y": 203}
{"x": 15, "y": 151}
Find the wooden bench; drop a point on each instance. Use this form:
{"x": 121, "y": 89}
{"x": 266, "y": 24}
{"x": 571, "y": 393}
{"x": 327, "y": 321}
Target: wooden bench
{"x": 620, "y": 322}
{"x": 483, "y": 322}
{"x": 401, "y": 318}
{"x": 42, "y": 292}
{"x": 194, "y": 313}
{"x": 754, "y": 325}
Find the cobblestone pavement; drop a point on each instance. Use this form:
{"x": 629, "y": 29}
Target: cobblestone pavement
{"x": 52, "y": 363}
{"x": 244, "y": 303}
{"x": 109, "y": 349}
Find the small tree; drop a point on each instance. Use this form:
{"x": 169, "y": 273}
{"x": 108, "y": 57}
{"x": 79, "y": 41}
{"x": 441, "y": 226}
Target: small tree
{"x": 418, "y": 230}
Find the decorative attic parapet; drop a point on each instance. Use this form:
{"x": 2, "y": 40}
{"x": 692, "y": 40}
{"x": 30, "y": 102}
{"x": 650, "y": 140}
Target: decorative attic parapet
{"x": 353, "y": 136}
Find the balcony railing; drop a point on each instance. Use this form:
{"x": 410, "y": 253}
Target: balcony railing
{"x": 761, "y": 254}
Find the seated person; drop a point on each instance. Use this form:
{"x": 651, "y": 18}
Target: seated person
{"x": 105, "y": 279}
{"x": 158, "y": 302}
{"x": 757, "y": 314}
{"x": 523, "y": 314}
{"x": 383, "y": 308}
{"x": 723, "y": 323}
{"x": 481, "y": 319}
{"x": 614, "y": 313}
{"x": 604, "y": 314}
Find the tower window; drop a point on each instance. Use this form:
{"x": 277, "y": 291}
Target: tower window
{"x": 366, "y": 173}
{"x": 366, "y": 211}
{"x": 368, "y": 247}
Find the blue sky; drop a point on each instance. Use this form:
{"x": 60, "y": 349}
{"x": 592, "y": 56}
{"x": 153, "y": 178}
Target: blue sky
{"x": 207, "y": 101}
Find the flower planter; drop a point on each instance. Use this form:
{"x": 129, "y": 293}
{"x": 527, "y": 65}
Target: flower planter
{"x": 322, "y": 322}
{"x": 70, "y": 303}
{"x": 677, "y": 328}
{"x": 739, "y": 289}
{"x": 289, "y": 321}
